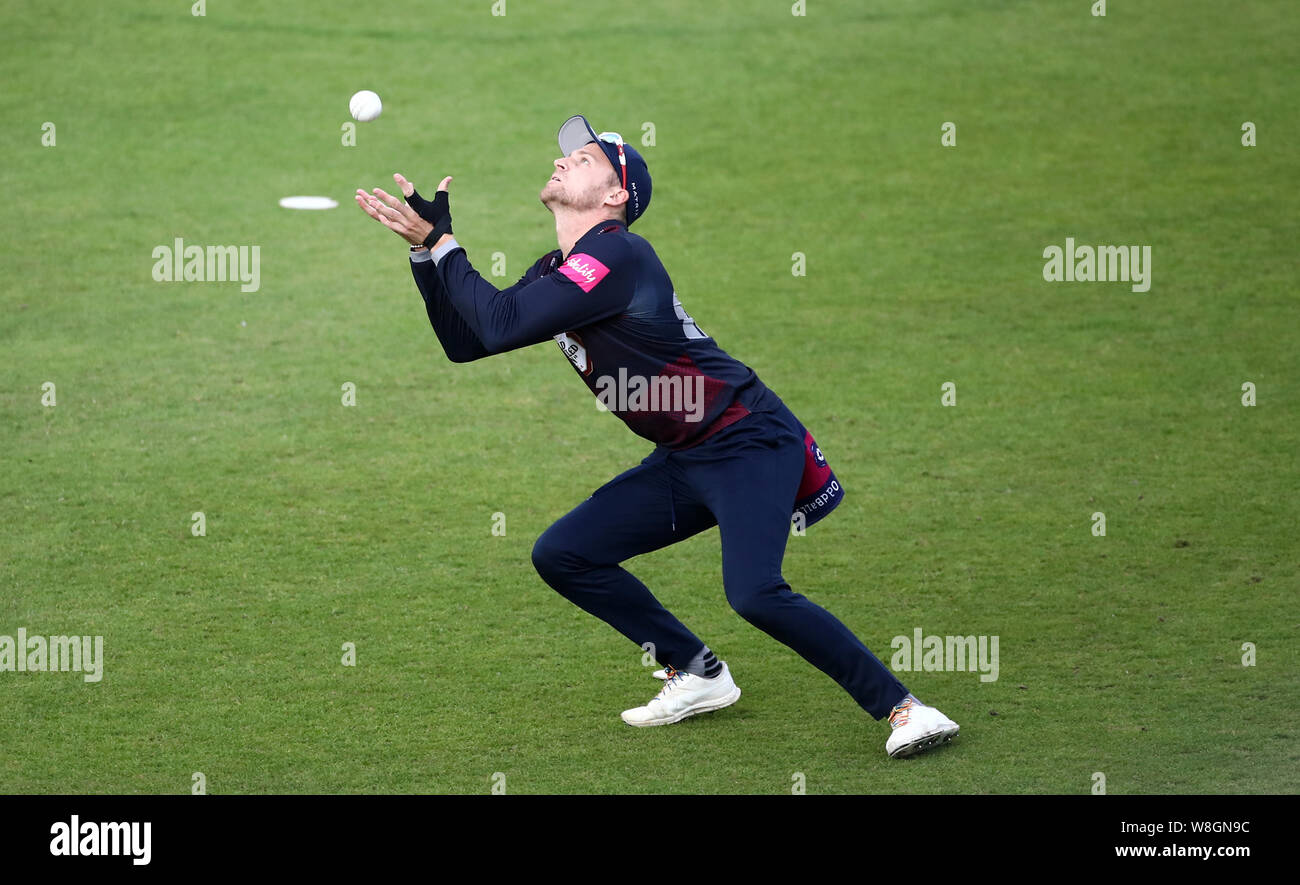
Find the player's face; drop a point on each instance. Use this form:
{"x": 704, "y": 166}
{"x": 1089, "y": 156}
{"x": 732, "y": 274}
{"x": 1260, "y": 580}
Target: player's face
{"x": 582, "y": 180}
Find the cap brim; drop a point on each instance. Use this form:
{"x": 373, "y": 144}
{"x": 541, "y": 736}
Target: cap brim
{"x": 575, "y": 132}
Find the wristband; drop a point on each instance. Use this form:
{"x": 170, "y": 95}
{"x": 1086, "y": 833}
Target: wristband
{"x": 443, "y": 226}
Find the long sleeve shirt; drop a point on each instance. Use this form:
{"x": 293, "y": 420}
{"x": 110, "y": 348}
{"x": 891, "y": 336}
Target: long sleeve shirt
{"x": 612, "y": 309}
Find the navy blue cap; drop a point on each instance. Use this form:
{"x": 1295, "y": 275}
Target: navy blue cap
{"x": 577, "y": 132}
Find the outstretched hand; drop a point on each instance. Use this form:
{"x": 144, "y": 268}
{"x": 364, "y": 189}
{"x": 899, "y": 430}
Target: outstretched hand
{"x": 402, "y": 218}
{"x": 431, "y": 211}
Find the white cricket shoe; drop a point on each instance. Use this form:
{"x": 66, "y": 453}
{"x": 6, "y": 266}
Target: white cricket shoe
{"x": 917, "y": 728}
{"x": 661, "y": 675}
{"x": 685, "y": 695}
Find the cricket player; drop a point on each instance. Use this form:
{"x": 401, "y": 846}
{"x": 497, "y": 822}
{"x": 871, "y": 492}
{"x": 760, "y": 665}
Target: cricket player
{"x": 728, "y": 453}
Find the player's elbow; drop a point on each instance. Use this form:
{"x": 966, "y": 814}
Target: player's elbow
{"x": 464, "y": 354}
{"x": 460, "y": 349}
{"x": 493, "y": 342}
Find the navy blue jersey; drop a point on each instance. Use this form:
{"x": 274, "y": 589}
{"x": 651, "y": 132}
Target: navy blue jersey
{"x": 612, "y": 309}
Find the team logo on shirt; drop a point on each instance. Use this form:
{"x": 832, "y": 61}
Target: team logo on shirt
{"x": 816, "y": 452}
{"x": 584, "y": 270}
{"x": 573, "y": 348}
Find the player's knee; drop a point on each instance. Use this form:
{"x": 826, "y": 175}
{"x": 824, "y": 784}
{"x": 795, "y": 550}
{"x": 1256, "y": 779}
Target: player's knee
{"x": 553, "y": 558}
{"x": 545, "y": 556}
{"x": 757, "y": 604}
{"x": 762, "y": 602}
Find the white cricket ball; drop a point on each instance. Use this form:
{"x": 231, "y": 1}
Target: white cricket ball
{"x": 365, "y": 106}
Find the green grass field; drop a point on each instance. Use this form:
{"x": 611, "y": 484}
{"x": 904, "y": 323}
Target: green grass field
{"x": 774, "y": 134}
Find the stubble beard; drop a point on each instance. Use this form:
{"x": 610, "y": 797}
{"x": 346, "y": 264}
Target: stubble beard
{"x": 560, "y": 198}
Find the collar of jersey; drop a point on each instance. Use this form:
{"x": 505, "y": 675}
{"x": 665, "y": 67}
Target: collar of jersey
{"x": 596, "y": 230}
{"x": 602, "y": 226}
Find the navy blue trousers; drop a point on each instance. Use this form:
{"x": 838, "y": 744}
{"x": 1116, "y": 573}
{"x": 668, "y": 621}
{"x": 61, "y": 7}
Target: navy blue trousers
{"x": 743, "y": 479}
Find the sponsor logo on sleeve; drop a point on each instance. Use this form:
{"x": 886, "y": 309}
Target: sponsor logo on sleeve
{"x": 584, "y": 270}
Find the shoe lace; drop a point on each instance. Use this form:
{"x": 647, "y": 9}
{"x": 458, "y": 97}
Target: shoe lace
{"x": 674, "y": 679}
{"x": 901, "y": 712}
